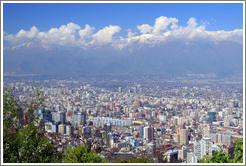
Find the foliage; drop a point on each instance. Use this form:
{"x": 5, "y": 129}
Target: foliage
{"x": 238, "y": 151}
{"x": 217, "y": 157}
{"x": 136, "y": 160}
{"x": 10, "y": 126}
{"x": 81, "y": 154}
{"x": 221, "y": 157}
{"x": 24, "y": 143}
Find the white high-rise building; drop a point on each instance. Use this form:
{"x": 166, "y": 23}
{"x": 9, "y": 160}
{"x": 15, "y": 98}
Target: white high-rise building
{"x": 59, "y": 116}
{"x": 206, "y": 147}
{"x": 197, "y": 149}
{"x": 78, "y": 118}
{"x": 148, "y": 133}
{"x": 226, "y": 121}
{"x": 206, "y": 131}
{"x": 182, "y": 153}
{"x": 191, "y": 157}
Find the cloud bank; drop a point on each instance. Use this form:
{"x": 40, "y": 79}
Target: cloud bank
{"x": 164, "y": 29}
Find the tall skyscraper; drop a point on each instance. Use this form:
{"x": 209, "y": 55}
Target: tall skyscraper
{"x": 140, "y": 130}
{"x": 207, "y": 131}
{"x": 191, "y": 157}
{"x": 78, "y": 118}
{"x": 197, "y": 149}
{"x": 226, "y": 121}
{"x": 62, "y": 129}
{"x": 182, "y": 153}
{"x": 212, "y": 117}
{"x": 62, "y": 116}
{"x": 59, "y": 116}
{"x": 148, "y": 133}
{"x": 183, "y": 136}
{"x": 69, "y": 130}
{"x": 206, "y": 148}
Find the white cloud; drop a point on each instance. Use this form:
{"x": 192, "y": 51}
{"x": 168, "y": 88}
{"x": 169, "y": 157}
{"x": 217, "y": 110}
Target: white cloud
{"x": 65, "y": 35}
{"x": 192, "y": 23}
{"x": 87, "y": 32}
{"x": 105, "y": 35}
{"x": 28, "y": 34}
{"x": 145, "y": 28}
{"x": 162, "y": 33}
{"x": 162, "y": 23}
{"x": 235, "y": 35}
{"x": 130, "y": 34}
{"x": 22, "y": 36}
{"x": 163, "y": 30}
{"x": 190, "y": 31}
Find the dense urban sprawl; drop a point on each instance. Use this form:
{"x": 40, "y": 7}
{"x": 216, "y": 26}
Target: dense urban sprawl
{"x": 166, "y": 120}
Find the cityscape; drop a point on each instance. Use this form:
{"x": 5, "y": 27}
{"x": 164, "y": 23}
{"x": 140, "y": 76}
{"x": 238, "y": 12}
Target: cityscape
{"x": 123, "y": 83}
{"x": 167, "y": 120}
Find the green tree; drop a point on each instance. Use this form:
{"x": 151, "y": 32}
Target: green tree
{"x": 238, "y": 151}
{"x": 33, "y": 147}
{"x": 81, "y": 154}
{"x": 136, "y": 160}
{"x": 221, "y": 157}
{"x": 11, "y": 126}
{"x": 25, "y": 144}
{"x": 217, "y": 157}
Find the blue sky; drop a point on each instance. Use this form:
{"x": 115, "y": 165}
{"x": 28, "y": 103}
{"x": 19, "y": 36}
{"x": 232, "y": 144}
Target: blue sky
{"x": 177, "y": 32}
{"x": 119, "y": 24}
{"x": 226, "y": 16}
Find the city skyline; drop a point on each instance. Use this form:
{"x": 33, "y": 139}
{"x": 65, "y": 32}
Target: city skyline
{"x": 112, "y": 82}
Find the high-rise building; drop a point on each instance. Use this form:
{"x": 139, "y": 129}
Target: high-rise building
{"x": 112, "y": 106}
{"x": 58, "y": 108}
{"x": 177, "y": 138}
{"x": 69, "y": 130}
{"x": 44, "y": 114}
{"x": 78, "y": 119}
{"x": 148, "y": 133}
{"x": 51, "y": 127}
{"x": 86, "y": 132}
{"x": 137, "y": 102}
{"x": 183, "y": 136}
{"x": 219, "y": 138}
{"x": 47, "y": 126}
{"x": 191, "y": 157}
{"x": 110, "y": 140}
{"x": 62, "y": 116}
{"x": 119, "y": 89}
{"x": 62, "y": 129}
{"x": 140, "y": 130}
{"x": 207, "y": 131}
{"x": 227, "y": 139}
{"x": 182, "y": 153}
{"x": 197, "y": 149}
{"x": 206, "y": 147}
{"x": 212, "y": 117}
{"x": 214, "y": 137}
{"x": 226, "y": 121}
{"x": 59, "y": 116}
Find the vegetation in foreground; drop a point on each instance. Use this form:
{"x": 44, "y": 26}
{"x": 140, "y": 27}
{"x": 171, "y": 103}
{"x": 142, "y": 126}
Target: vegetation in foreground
{"x": 221, "y": 157}
{"x": 26, "y": 142}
